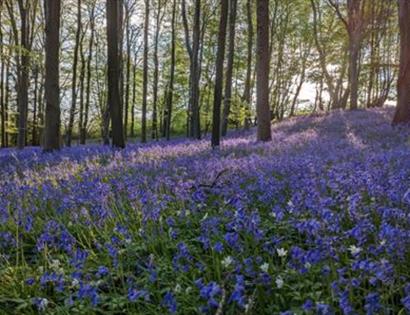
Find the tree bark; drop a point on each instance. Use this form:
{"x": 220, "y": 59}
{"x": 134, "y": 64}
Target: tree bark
{"x": 354, "y": 49}
{"x": 52, "y": 87}
{"x": 145, "y": 75}
{"x": 23, "y": 74}
{"x": 154, "y": 131}
{"x": 82, "y": 83}
{"x": 114, "y": 56}
{"x": 219, "y": 65}
{"x": 247, "y": 90}
{"x": 134, "y": 95}
{"x": 170, "y": 91}
{"x": 83, "y": 131}
{"x": 128, "y": 12}
{"x": 262, "y": 72}
{"x": 34, "y": 139}
{"x": 229, "y": 71}
{"x": 2, "y": 94}
{"x": 195, "y": 123}
{"x": 74, "y": 78}
{"x": 402, "y": 114}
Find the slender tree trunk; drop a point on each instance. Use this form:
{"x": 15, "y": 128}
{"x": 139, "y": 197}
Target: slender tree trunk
{"x": 128, "y": 72}
{"x": 195, "y": 70}
{"x": 170, "y": 91}
{"x": 83, "y": 131}
{"x": 154, "y": 131}
{"x": 229, "y": 71}
{"x": 219, "y": 66}
{"x": 121, "y": 57}
{"x": 403, "y": 100}
{"x": 134, "y": 95}
{"x": 23, "y": 74}
{"x": 82, "y": 83}
{"x": 74, "y": 78}
{"x": 34, "y": 140}
{"x": 354, "y": 49}
{"x": 7, "y": 96}
{"x": 262, "y": 72}
{"x": 2, "y": 71}
{"x": 52, "y": 87}
{"x": 114, "y": 57}
{"x": 41, "y": 110}
{"x": 191, "y": 63}
{"x": 247, "y": 90}
{"x": 145, "y": 75}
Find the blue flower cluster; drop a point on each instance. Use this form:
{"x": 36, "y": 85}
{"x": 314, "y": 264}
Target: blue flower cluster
{"x": 316, "y": 222}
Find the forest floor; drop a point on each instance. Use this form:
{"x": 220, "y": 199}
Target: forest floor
{"x": 315, "y": 222}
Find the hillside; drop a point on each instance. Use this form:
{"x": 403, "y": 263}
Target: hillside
{"x": 316, "y": 221}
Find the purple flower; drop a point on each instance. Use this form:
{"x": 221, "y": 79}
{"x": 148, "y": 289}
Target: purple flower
{"x": 134, "y": 295}
{"x": 169, "y": 302}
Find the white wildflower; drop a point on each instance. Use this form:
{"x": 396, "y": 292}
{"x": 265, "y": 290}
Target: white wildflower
{"x": 227, "y": 261}
{"x": 177, "y": 288}
{"x": 264, "y": 267}
{"x": 55, "y": 264}
{"x": 281, "y": 252}
{"x": 279, "y": 282}
{"x": 354, "y": 250}
{"x": 75, "y": 282}
{"x": 247, "y": 307}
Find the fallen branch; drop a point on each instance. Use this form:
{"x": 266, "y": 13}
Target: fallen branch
{"x": 212, "y": 185}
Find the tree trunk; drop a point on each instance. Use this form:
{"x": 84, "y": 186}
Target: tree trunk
{"x": 114, "y": 56}
{"x": 23, "y": 74}
{"x": 74, "y": 78}
{"x": 83, "y": 131}
{"x": 219, "y": 66}
{"x": 134, "y": 96}
{"x": 170, "y": 91}
{"x": 154, "y": 131}
{"x": 262, "y": 72}
{"x": 145, "y": 76}
{"x": 247, "y": 90}
{"x": 195, "y": 123}
{"x": 354, "y": 73}
{"x": 34, "y": 138}
{"x": 128, "y": 71}
{"x": 52, "y": 87}
{"x": 402, "y": 114}
{"x": 7, "y": 95}
{"x": 229, "y": 71}
{"x": 2, "y": 94}
{"x": 82, "y": 83}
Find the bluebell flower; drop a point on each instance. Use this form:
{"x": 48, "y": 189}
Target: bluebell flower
{"x": 372, "y": 305}
{"x": 238, "y": 294}
{"x": 134, "y": 295}
{"x": 169, "y": 302}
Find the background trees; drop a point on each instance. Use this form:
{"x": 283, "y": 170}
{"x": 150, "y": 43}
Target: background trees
{"x": 323, "y": 55}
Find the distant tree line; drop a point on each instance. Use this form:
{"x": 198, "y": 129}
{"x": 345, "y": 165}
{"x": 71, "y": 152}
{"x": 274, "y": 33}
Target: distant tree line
{"x": 78, "y": 70}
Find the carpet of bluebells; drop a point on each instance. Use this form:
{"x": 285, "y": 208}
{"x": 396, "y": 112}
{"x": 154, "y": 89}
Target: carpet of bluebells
{"x": 316, "y": 222}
